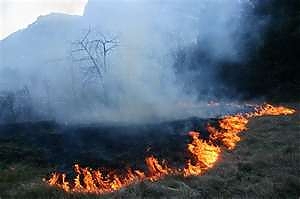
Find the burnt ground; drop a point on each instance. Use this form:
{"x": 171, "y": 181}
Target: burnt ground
{"x": 266, "y": 164}
{"x": 114, "y": 146}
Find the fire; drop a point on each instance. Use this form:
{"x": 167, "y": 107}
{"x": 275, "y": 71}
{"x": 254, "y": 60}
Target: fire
{"x": 157, "y": 170}
{"x": 228, "y": 134}
{"x": 88, "y": 180}
{"x": 232, "y": 126}
{"x": 203, "y": 156}
{"x": 269, "y": 110}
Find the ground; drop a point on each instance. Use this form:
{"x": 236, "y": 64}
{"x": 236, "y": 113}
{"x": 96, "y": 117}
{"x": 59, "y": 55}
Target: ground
{"x": 265, "y": 164}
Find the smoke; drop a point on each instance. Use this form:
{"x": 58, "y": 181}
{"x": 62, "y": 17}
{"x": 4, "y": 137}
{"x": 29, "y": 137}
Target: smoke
{"x": 141, "y": 83}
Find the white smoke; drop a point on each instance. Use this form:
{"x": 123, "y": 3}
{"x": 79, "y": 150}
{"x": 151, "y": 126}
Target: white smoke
{"x": 141, "y": 82}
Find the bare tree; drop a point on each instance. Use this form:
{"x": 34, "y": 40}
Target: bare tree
{"x": 105, "y": 46}
{"x": 91, "y": 54}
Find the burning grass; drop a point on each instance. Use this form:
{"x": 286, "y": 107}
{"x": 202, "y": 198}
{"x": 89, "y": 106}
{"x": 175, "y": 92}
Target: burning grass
{"x": 203, "y": 156}
{"x": 264, "y": 165}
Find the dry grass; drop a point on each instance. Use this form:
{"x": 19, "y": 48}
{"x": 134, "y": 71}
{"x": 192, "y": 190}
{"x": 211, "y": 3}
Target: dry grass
{"x": 266, "y": 164}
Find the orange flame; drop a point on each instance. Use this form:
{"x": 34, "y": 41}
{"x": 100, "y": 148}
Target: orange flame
{"x": 203, "y": 155}
{"x": 269, "y": 110}
{"x": 88, "y": 180}
{"x": 230, "y": 127}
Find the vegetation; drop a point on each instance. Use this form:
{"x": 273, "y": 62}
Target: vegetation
{"x": 272, "y": 68}
{"x": 267, "y": 63}
{"x": 264, "y": 165}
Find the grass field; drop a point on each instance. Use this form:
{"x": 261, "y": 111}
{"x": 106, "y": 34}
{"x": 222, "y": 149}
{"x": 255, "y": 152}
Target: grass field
{"x": 265, "y": 164}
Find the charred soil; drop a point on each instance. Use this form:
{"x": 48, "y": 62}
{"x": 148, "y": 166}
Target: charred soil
{"x": 265, "y": 164}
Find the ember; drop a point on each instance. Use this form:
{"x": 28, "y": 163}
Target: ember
{"x": 203, "y": 155}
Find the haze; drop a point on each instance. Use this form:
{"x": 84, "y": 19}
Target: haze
{"x": 143, "y": 81}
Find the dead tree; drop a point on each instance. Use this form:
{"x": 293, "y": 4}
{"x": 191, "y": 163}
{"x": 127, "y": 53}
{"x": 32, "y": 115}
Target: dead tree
{"x": 105, "y": 46}
{"x": 91, "y": 54}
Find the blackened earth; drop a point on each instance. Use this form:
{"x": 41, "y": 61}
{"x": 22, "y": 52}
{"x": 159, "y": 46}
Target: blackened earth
{"x": 116, "y": 146}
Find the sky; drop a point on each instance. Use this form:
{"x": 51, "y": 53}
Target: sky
{"x": 18, "y": 14}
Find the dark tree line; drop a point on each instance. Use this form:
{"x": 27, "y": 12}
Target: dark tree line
{"x": 271, "y": 66}
{"x": 272, "y": 69}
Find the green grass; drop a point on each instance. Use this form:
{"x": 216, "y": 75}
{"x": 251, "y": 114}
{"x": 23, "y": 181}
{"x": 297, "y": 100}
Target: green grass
{"x": 265, "y": 164}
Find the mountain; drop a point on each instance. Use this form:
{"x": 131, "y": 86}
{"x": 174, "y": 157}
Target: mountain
{"x": 28, "y": 51}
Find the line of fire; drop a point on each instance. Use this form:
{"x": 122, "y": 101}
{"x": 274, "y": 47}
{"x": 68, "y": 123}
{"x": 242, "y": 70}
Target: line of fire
{"x": 203, "y": 155}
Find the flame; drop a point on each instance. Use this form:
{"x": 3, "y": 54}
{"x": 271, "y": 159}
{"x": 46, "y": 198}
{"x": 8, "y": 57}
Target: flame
{"x": 269, "y": 110}
{"x": 230, "y": 128}
{"x": 88, "y": 180}
{"x": 203, "y": 156}
{"x": 156, "y": 170}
